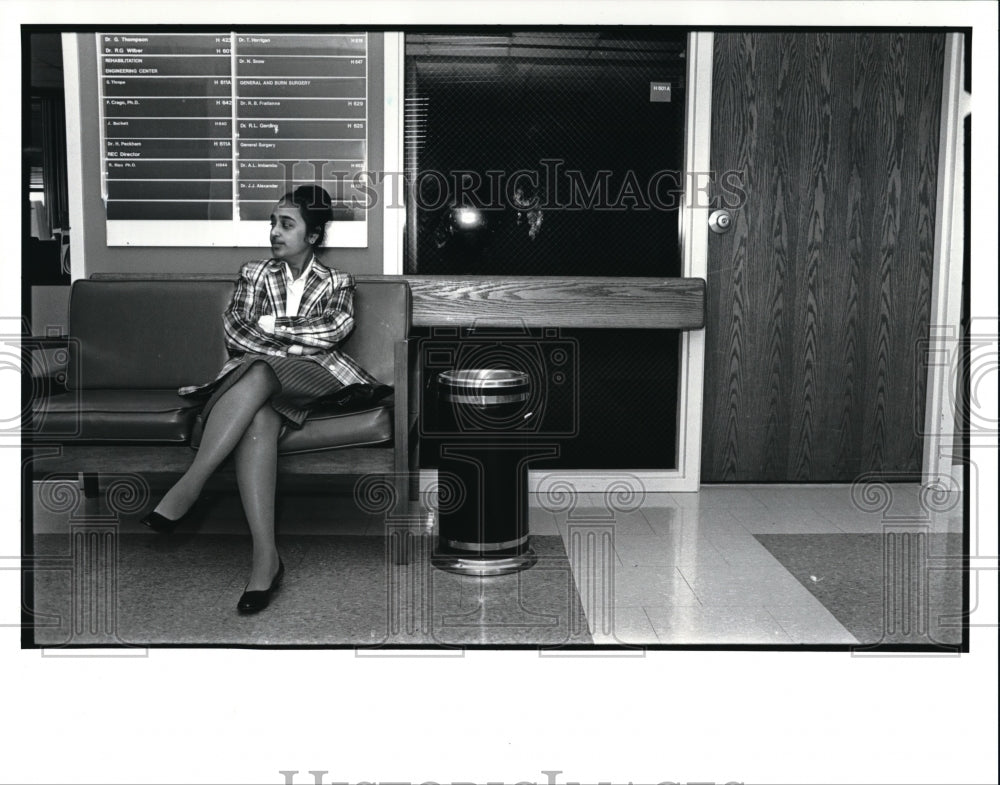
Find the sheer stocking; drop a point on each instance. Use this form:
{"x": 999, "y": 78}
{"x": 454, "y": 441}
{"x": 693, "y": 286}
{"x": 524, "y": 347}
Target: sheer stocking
{"x": 228, "y": 422}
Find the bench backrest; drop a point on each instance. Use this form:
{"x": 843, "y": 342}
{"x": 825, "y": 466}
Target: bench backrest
{"x": 383, "y": 315}
{"x": 162, "y": 334}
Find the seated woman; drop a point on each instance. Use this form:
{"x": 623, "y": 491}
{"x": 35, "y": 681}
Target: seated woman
{"x": 283, "y": 326}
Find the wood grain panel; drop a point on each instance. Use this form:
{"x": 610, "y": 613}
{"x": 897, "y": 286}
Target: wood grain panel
{"x": 883, "y": 181}
{"x": 724, "y": 329}
{"x": 819, "y": 296}
{"x": 653, "y": 303}
{"x": 844, "y": 376}
{"x": 923, "y": 92}
{"x": 805, "y": 407}
{"x": 837, "y": 309}
{"x": 780, "y": 213}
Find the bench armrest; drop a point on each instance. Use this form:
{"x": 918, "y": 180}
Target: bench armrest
{"x": 406, "y": 385}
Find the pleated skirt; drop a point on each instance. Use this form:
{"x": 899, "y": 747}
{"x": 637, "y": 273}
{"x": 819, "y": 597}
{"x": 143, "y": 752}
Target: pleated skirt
{"x": 304, "y": 384}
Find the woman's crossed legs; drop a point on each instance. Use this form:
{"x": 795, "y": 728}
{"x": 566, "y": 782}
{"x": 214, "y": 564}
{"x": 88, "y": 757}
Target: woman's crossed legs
{"x": 243, "y": 421}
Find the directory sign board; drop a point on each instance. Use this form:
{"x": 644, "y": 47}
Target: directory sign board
{"x": 202, "y": 132}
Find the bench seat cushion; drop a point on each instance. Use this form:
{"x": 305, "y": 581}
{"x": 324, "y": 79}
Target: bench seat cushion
{"x": 332, "y": 427}
{"x": 116, "y": 416}
{"x": 128, "y": 416}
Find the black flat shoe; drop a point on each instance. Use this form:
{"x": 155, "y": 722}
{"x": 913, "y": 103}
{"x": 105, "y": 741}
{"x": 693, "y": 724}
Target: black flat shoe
{"x": 161, "y": 523}
{"x": 256, "y": 601}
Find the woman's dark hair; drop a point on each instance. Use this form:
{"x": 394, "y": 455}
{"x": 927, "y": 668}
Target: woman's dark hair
{"x": 315, "y": 206}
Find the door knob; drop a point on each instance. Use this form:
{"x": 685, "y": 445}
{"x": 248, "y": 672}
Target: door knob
{"x": 720, "y": 221}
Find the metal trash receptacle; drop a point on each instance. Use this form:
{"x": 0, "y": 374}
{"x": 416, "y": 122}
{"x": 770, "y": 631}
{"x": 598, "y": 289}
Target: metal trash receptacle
{"x": 483, "y": 524}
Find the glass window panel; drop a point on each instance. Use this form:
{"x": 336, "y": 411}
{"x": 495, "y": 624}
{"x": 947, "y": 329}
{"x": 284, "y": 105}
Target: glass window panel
{"x": 545, "y": 153}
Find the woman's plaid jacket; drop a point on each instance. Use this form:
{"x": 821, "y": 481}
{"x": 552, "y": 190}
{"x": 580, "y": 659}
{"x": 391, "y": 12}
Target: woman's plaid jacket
{"x": 324, "y": 320}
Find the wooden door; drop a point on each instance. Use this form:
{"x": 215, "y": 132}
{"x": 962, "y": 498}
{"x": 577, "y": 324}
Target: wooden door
{"x": 819, "y": 296}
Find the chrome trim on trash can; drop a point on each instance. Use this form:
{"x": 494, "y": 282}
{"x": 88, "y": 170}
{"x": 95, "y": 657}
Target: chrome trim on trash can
{"x": 478, "y": 547}
{"x": 484, "y": 568}
{"x": 483, "y": 378}
{"x": 483, "y": 400}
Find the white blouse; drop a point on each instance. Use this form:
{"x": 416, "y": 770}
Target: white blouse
{"x": 293, "y": 297}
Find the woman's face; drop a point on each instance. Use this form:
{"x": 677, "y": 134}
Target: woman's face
{"x": 289, "y": 240}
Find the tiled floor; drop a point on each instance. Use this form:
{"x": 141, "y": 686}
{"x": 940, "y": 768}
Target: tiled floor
{"x": 688, "y": 568}
{"x": 661, "y": 569}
